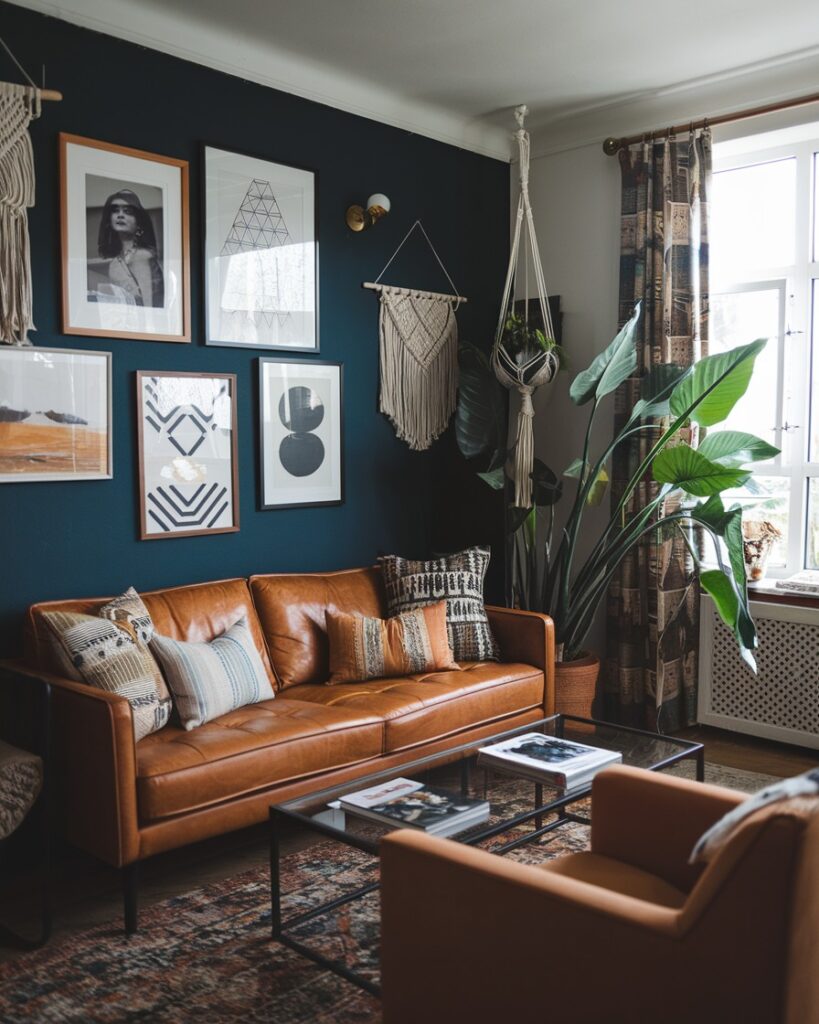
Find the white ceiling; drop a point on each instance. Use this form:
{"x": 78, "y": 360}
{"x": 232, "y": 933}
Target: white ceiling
{"x": 454, "y": 70}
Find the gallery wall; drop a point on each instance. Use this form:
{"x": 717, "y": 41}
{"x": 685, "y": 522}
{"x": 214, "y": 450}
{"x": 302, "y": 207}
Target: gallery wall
{"x": 74, "y": 539}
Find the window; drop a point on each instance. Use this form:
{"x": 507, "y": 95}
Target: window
{"x": 764, "y": 267}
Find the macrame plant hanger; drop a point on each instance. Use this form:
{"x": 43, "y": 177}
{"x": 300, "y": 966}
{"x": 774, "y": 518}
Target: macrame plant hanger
{"x": 19, "y": 106}
{"x": 418, "y": 349}
{"x": 524, "y": 373}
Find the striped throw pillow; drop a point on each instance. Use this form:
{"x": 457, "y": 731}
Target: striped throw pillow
{"x": 456, "y": 579}
{"x": 106, "y": 654}
{"x": 364, "y": 648}
{"x": 209, "y": 679}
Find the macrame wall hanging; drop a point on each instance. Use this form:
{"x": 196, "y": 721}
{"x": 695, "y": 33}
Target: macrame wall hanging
{"x": 418, "y": 351}
{"x": 524, "y": 372}
{"x": 19, "y": 106}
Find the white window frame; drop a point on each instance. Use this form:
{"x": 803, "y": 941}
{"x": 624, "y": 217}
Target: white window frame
{"x": 798, "y": 335}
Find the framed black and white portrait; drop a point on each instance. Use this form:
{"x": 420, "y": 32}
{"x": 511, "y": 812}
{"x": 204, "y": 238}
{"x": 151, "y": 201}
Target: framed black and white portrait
{"x": 302, "y": 433}
{"x": 125, "y": 242}
{"x": 261, "y": 253}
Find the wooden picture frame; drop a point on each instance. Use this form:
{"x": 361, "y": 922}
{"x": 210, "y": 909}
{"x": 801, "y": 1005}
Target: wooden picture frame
{"x": 188, "y": 467}
{"x": 55, "y": 416}
{"x": 125, "y": 237}
{"x": 260, "y": 252}
{"x": 313, "y": 449}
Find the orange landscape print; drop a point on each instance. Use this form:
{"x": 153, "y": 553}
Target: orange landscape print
{"x": 54, "y": 415}
{"x": 52, "y": 448}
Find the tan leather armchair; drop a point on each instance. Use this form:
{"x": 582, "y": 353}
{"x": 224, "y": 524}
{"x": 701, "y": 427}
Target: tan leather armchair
{"x": 624, "y": 934}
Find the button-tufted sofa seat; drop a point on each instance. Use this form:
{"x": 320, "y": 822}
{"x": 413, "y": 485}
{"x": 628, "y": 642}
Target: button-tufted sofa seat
{"x": 125, "y": 801}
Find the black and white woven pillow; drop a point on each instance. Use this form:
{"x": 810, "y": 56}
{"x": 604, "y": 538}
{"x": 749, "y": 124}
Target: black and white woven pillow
{"x": 456, "y": 579}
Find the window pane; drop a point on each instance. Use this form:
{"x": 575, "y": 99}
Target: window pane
{"x": 753, "y": 217}
{"x": 816, "y": 207}
{"x": 766, "y": 499}
{"x": 738, "y": 318}
{"x": 812, "y": 553}
{"x": 814, "y": 391}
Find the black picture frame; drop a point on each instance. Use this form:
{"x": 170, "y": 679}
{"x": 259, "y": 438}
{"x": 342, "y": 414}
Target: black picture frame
{"x": 210, "y": 329}
{"x": 272, "y": 471}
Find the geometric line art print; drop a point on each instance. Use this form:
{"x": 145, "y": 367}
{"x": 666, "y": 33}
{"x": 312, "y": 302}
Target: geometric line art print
{"x": 165, "y": 508}
{"x": 258, "y": 224}
{"x": 187, "y": 454}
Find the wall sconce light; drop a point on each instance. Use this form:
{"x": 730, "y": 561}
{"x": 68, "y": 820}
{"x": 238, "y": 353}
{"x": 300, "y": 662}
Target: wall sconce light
{"x": 359, "y": 219}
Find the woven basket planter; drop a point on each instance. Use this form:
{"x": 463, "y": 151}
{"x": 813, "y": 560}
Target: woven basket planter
{"x": 576, "y": 686}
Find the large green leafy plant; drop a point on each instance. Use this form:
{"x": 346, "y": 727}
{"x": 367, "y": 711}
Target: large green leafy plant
{"x": 546, "y": 573}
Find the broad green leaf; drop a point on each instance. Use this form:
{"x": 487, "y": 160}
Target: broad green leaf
{"x": 746, "y": 630}
{"x": 598, "y": 488}
{"x": 711, "y": 513}
{"x": 494, "y": 477}
{"x": 686, "y": 468}
{"x": 733, "y": 447}
{"x": 515, "y": 517}
{"x": 727, "y": 373}
{"x": 546, "y": 488}
{"x": 655, "y": 391}
{"x": 480, "y": 417}
{"x": 729, "y": 608}
{"x": 610, "y": 367}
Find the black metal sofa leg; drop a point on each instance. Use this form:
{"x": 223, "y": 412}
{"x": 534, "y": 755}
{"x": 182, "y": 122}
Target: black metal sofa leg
{"x": 130, "y": 887}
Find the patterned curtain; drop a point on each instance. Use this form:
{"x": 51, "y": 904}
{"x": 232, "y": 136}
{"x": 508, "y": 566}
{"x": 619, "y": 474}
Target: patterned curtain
{"x": 653, "y": 604}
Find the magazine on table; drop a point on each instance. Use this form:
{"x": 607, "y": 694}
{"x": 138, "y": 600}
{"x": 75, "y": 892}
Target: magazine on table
{"x": 548, "y": 759}
{"x": 409, "y": 804}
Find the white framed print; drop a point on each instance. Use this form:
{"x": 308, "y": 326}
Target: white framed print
{"x": 261, "y": 253}
{"x": 188, "y": 463}
{"x": 55, "y": 415}
{"x": 125, "y": 242}
{"x": 301, "y": 419}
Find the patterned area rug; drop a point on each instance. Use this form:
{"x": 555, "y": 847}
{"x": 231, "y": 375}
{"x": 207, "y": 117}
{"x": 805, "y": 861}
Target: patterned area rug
{"x": 207, "y": 956}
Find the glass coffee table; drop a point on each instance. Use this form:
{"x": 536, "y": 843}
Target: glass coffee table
{"x": 534, "y": 810}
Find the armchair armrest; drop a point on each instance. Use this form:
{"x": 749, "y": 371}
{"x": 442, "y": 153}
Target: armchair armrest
{"x": 468, "y": 935}
{"x": 94, "y": 765}
{"x": 652, "y": 820}
{"x": 528, "y": 637}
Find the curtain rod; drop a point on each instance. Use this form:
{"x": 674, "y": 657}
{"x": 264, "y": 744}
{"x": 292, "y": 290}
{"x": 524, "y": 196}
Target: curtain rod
{"x": 612, "y": 145}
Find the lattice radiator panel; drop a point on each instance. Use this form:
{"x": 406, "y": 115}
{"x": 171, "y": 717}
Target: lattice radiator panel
{"x": 782, "y": 701}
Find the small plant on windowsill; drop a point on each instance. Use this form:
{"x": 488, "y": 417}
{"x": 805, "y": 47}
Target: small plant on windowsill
{"x": 548, "y": 575}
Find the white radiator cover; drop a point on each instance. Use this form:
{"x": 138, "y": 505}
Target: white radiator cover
{"x": 782, "y": 701}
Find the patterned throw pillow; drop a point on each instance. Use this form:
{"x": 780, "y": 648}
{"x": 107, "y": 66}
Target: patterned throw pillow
{"x": 210, "y": 679}
{"x": 128, "y": 611}
{"x": 106, "y": 654}
{"x": 363, "y": 648}
{"x": 457, "y": 579}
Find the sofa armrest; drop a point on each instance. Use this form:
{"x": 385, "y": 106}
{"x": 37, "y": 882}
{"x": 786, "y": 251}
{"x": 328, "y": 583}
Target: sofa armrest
{"x": 468, "y": 935}
{"x": 528, "y": 637}
{"x": 652, "y": 820}
{"x": 94, "y": 766}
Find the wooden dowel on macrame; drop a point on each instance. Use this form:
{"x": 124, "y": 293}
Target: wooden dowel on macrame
{"x": 391, "y": 289}
{"x": 51, "y": 95}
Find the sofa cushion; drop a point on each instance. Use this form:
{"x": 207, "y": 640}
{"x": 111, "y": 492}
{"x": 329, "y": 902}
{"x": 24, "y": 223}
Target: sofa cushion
{"x": 196, "y": 613}
{"x": 419, "y": 708}
{"x": 292, "y": 609}
{"x": 208, "y": 680}
{"x": 365, "y": 648}
{"x": 247, "y": 750}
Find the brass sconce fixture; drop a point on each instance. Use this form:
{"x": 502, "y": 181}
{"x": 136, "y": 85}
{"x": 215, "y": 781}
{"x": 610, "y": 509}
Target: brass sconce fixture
{"x": 359, "y": 219}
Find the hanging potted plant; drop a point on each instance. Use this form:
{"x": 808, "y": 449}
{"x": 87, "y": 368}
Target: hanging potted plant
{"x": 547, "y": 574}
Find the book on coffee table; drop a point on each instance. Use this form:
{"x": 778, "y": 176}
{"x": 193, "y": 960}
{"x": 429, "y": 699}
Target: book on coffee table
{"x": 548, "y": 759}
{"x": 405, "y": 803}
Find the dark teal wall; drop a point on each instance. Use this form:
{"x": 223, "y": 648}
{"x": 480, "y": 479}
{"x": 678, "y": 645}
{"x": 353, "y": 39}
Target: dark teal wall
{"x": 80, "y": 539}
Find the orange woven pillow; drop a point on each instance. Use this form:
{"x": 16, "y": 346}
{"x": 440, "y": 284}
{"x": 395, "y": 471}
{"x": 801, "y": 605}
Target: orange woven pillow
{"x": 363, "y": 648}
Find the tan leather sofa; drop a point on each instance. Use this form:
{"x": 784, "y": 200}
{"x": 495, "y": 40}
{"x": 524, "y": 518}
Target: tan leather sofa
{"x": 124, "y": 802}
{"x": 626, "y": 933}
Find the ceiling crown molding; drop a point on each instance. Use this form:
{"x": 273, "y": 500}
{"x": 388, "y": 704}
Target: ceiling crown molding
{"x": 730, "y": 91}
{"x": 159, "y": 28}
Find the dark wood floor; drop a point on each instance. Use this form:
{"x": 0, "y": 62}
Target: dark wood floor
{"x": 88, "y": 893}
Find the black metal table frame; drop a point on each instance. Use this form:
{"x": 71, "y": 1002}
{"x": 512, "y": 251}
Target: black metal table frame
{"x": 280, "y": 815}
